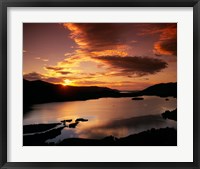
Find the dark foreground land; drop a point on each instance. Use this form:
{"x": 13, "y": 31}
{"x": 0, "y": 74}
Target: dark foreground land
{"x": 34, "y": 128}
{"x": 39, "y": 139}
{"x": 172, "y": 115}
{"x": 154, "y": 137}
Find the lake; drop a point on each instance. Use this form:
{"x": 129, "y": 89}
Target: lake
{"x": 119, "y": 117}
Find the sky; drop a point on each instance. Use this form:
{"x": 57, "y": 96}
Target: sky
{"x": 123, "y": 56}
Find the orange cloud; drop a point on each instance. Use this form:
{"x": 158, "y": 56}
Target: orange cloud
{"x": 136, "y": 65}
{"x": 98, "y": 38}
{"x": 167, "y": 44}
{"x": 37, "y": 76}
{"x": 110, "y": 53}
{"x": 103, "y": 54}
{"x": 54, "y": 68}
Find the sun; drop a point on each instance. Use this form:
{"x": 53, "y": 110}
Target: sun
{"x": 67, "y": 82}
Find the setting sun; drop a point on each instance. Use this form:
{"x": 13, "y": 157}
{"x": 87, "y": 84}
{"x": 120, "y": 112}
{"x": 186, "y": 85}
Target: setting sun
{"x": 100, "y": 84}
{"x": 67, "y": 82}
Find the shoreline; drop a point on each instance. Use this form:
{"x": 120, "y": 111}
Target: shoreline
{"x": 158, "y": 137}
{"x": 83, "y": 93}
{"x": 152, "y": 137}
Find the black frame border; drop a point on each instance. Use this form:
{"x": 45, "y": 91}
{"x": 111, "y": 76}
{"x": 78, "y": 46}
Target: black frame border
{"x": 4, "y": 4}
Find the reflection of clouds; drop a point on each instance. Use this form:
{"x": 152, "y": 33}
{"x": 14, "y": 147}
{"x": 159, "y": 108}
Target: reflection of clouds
{"x": 124, "y": 127}
{"x": 100, "y": 133}
{"x": 107, "y": 116}
{"x": 102, "y": 109}
{"x": 137, "y": 121}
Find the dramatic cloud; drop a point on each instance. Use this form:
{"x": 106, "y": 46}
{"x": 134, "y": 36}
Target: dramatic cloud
{"x": 33, "y": 76}
{"x": 167, "y": 43}
{"x": 134, "y": 65}
{"x": 91, "y": 83}
{"x": 64, "y": 72}
{"x": 120, "y": 84}
{"x": 54, "y": 68}
{"x": 98, "y": 37}
{"x": 114, "y": 84}
{"x": 58, "y": 80}
{"x": 119, "y": 55}
{"x": 37, "y": 76}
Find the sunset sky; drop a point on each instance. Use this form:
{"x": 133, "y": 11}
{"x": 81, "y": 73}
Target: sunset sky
{"x": 124, "y": 56}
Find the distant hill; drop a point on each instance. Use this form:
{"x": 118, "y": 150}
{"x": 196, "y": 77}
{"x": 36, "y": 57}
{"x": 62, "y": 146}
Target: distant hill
{"x": 38, "y": 91}
{"x": 162, "y": 90}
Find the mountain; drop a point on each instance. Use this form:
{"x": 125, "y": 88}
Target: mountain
{"x": 38, "y": 91}
{"x": 162, "y": 90}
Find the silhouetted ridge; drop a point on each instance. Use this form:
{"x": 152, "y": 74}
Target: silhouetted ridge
{"x": 38, "y": 91}
{"x": 162, "y": 90}
{"x": 35, "y": 92}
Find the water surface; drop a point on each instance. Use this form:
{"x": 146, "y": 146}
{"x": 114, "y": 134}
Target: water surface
{"x": 107, "y": 116}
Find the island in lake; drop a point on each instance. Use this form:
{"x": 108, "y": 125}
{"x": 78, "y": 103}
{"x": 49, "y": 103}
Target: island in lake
{"x": 100, "y": 84}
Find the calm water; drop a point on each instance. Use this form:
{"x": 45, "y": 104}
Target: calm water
{"x": 107, "y": 116}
